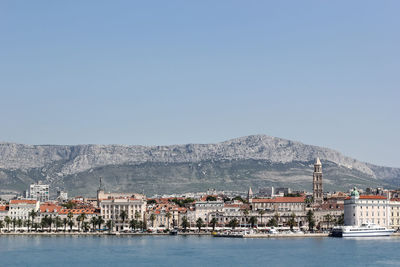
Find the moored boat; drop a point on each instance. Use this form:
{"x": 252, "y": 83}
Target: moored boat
{"x": 365, "y": 230}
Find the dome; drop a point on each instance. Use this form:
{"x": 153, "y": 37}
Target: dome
{"x": 355, "y": 193}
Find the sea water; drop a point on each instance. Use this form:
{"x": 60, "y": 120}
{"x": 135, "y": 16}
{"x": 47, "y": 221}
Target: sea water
{"x": 196, "y": 251}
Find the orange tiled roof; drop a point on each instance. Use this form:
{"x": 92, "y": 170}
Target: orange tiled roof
{"x": 77, "y": 211}
{"x": 22, "y": 201}
{"x": 370, "y": 197}
{"x": 279, "y": 200}
{"x": 49, "y": 208}
{"x": 3, "y": 208}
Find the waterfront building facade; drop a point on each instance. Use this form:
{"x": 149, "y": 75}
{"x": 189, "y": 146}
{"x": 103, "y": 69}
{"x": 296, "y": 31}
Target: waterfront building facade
{"x": 20, "y": 208}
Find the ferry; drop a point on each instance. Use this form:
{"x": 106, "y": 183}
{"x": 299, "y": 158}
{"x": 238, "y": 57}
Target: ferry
{"x": 365, "y": 230}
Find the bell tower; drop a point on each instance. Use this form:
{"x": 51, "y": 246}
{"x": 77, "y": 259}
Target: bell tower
{"x": 318, "y": 193}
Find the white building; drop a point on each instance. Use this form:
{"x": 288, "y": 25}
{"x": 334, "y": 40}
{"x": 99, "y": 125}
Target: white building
{"x": 203, "y": 209}
{"x": 39, "y": 191}
{"x": 20, "y": 208}
{"x": 111, "y": 210}
{"x": 369, "y": 208}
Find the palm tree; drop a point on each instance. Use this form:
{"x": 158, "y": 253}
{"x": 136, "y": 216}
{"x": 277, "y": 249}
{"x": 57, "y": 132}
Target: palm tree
{"x": 28, "y": 223}
{"x": 168, "y": 215}
{"x": 82, "y": 218}
{"x": 36, "y": 226}
{"x": 100, "y": 221}
{"x": 310, "y": 219}
{"x": 328, "y": 219}
{"x": 233, "y": 223}
{"x": 245, "y": 214}
{"x": 32, "y": 214}
{"x": 110, "y": 225}
{"x": 261, "y": 212}
{"x": 185, "y": 223}
{"x": 133, "y": 224}
{"x": 70, "y": 215}
{"x": 85, "y": 226}
{"x": 123, "y": 215}
{"x": 199, "y": 223}
{"x": 253, "y": 221}
{"x": 1, "y": 225}
{"x": 152, "y": 219}
{"x": 340, "y": 220}
{"x": 50, "y": 221}
{"x": 213, "y": 222}
{"x": 19, "y": 223}
{"x": 58, "y": 222}
{"x": 93, "y": 221}
{"x": 292, "y": 221}
{"x": 14, "y": 222}
{"x": 64, "y": 222}
{"x": 7, "y": 220}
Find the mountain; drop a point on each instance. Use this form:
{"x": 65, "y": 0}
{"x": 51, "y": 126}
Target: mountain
{"x": 236, "y": 164}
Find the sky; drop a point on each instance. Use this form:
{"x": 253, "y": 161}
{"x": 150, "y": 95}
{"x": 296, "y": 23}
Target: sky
{"x": 172, "y": 72}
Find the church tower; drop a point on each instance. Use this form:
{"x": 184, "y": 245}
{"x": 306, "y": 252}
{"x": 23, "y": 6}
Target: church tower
{"x": 318, "y": 192}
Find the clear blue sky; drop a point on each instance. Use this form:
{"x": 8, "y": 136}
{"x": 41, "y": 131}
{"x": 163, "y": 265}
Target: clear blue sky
{"x": 167, "y": 72}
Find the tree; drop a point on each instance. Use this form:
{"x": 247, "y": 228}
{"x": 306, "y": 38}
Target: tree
{"x": 133, "y": 224}
{"x": 81, "y": 218}
{"x": 19, "y": 223}
{"x": 199, "y": 223}
{"x": 69, "y": 205}
{"x": 36, "y": 226}
{"x": 85, "y": 226}
{"x": 152, "y": 219}
{"x": 70, "y": 224}
{"x": 58, "y": 222}
{"x": 14, "y": 222}
{"x": 185, "y": 223}
{"x": 253, "y": 221}
{"x": 123, "y": 215}
{"x": 233, "y": 223}
{"x": 1, "y": 225}
{"x": 32, "y": 214}
{"x": 50, "y": 221}
{"x": 292, "y": 221}
{"x": 7, "y": 220}
{"x": 213, "y": 223}
{"x": 310, "y": 219}
{"x": 328, "y": 218}
{"x": 100, "y": 221}
{"x": 28, "y": 223}
{"x": 273, "y": 222}
{"x": 168, "y": 215}
{"x": 137, "y": 215}
{"x": 93, "y": 221}
{"x": 340, "y": 220}
{"x": 261, "y": 212}
{"x": 65, "y": 222}
{"x": 110, "y": 225}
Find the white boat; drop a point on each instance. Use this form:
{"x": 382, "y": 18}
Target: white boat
{"x": 365, "y": 230}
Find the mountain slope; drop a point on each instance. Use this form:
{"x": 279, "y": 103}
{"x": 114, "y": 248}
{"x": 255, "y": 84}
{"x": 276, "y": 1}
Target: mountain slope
{"x": 256, "y": 161}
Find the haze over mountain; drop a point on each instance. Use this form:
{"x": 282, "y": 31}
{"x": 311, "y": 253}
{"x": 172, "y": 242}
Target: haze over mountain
{"x": 236, "y": 164}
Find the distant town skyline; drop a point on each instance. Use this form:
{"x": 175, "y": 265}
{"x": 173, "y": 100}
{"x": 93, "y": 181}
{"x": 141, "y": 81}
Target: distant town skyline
{"x": 135, "y": 73}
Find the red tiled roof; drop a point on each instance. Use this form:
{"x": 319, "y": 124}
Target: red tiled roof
{"x": 77, "y": 211}
{"x": 279, "y": 200}
{"x": 370, "y": 197}
{"x": 22, "y": 201}
{"x": 49, "y": 208}
{"x": 3, "y": 208}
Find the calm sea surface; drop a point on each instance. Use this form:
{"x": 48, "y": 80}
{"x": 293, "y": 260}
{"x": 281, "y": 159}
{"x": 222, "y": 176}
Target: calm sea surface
{"x": 196, "y": 251}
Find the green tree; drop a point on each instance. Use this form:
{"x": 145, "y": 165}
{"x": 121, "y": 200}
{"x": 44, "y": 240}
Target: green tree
{"x": 19, "y": 223}
{"x": 85, "y": 226}
{"x": 133, "y": 224}
{"x": 253, "y": 221}
{"x": 33, "y": 215}
{"x": 261, "y": 212}
{"x": 185, "y": 223}
{"x": 199, "y": 223}
{"x": 211, "y": 198}
{"x": 340, "y": 220}
{"x": 328, "y": 218}
{"x": 70, "y": 224}
{"x": 7, "y": 220}
{"x": 292, "y": 221}
{"x": 100, "y": 221}
{"x": 36, "y": 226}
{"x": 28, "y": 223}
{"x": 1, "y": 225}
{"x": 152, "y": 219}
{"x": 213, "y": 223}
{"x": 245, "y": 214}
{"x": 58, "y": 222}
{"x": 168, "y": 215}
{"x": 123, "y": 215}
{"x": 310, "y": 219}
{"x": 273, "y": 221}
{"x": 65, "y": 222}
{"x": 93, "y": 221}
{"x": 233, "y": 223}
{"x": 110, "y": 225}
{"x": 14, "y": 222}
{"x": 137, "y": 215}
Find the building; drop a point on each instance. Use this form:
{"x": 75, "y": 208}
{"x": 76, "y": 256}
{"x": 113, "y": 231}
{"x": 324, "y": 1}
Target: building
{"x": 366, "y": 208}
{"x": 39, "y": 191}
{"x": 20, "y": 208}
{"x": 203, "y": 209}
{"x": 62, "y": 196}
{"x": 318, "y": 193}
{"x": 278, "y": 204}
{"x": 111, "y": 209}
{"x": 394, "y": 213}
{"x": 3, "y": 212}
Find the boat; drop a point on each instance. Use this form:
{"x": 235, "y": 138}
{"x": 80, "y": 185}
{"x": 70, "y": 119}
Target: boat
{"x": 365, "y": 230}
{"x": 174, "y": 231}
